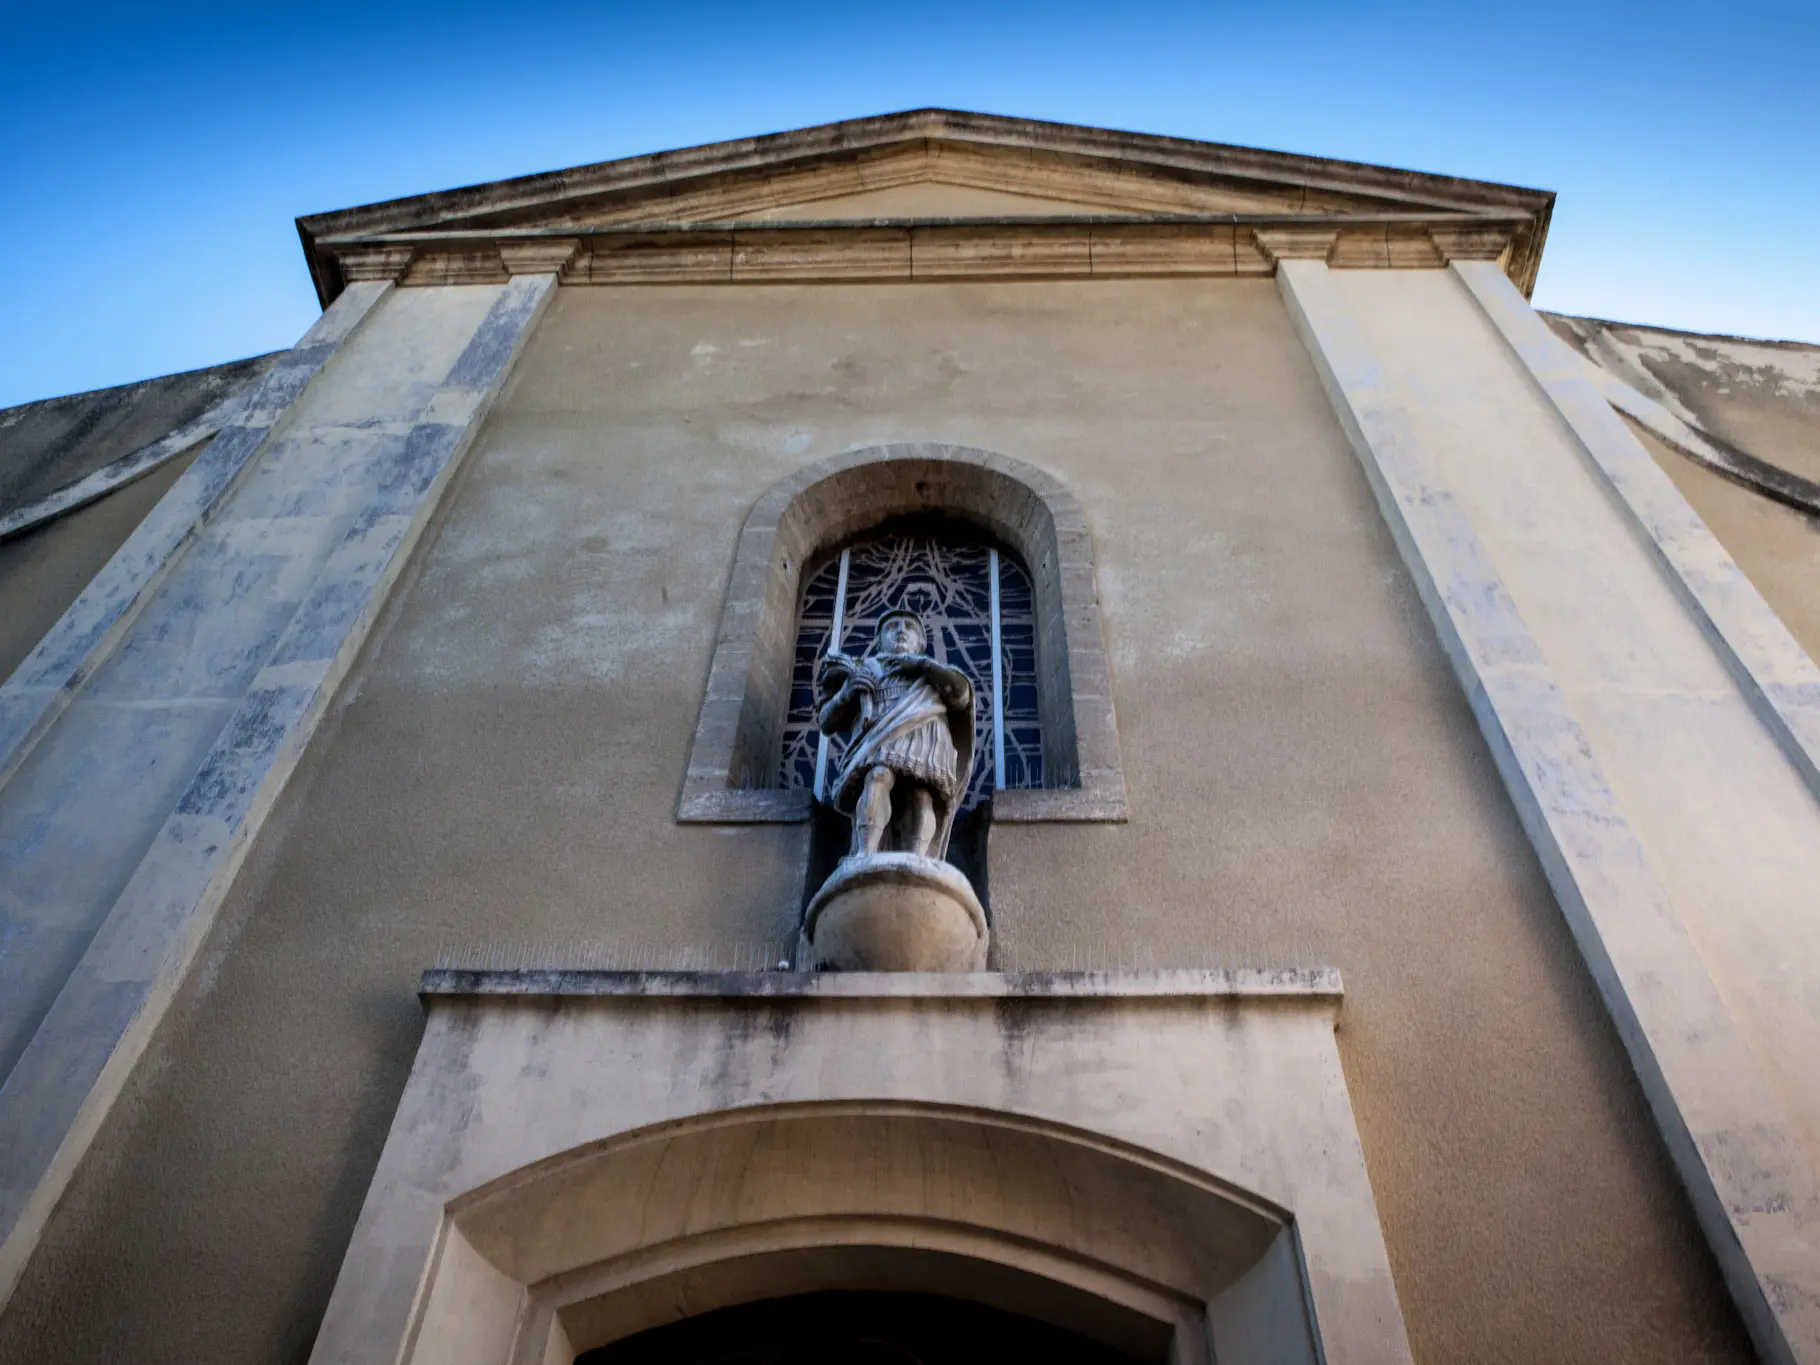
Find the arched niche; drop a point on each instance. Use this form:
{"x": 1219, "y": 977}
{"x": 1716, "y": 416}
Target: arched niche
{"x": 1065, "y": 1227}
{"x": 733, "y": 761}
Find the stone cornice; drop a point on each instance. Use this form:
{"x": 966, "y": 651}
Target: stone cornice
{"x": 918, "y": 249}
{"x": 1120, "y": 171}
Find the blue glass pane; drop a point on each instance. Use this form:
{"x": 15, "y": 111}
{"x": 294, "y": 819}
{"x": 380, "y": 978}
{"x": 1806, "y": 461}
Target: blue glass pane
{"x": 947, "y": 581}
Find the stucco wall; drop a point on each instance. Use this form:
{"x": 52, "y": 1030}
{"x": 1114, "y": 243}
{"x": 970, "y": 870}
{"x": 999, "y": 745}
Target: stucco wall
{"x": 1306, "y": 785}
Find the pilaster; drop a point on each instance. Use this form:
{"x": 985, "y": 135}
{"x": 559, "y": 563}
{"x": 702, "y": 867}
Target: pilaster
{"x": 1768, "y": 662}
{"x": 176, "y": 698}
{"x": 1597, "y": 687}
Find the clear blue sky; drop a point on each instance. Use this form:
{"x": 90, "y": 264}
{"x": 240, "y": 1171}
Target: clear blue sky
{"x": 153, "y": 156}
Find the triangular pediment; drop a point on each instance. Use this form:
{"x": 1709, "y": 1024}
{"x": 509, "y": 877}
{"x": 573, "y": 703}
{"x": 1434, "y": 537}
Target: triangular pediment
{"x": 918, "y": 199}
{"x": 929, "y": 165}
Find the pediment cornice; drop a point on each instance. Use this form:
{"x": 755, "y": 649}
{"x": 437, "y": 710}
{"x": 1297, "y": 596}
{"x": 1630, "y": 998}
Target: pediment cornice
{"x": 925, "y": 249}
{"x": 1136, "y": 192}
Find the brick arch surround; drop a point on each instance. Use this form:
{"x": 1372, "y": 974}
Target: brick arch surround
{"x": 733, "y": 761}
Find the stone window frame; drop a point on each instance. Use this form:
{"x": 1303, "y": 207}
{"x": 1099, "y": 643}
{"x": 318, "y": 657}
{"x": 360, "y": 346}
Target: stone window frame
{"x": 824, "y": 504}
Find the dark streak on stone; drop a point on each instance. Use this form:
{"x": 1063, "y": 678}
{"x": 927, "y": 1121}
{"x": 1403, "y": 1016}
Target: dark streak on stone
{"x": 487, "y": 355}
{"x": 238, "y": 762}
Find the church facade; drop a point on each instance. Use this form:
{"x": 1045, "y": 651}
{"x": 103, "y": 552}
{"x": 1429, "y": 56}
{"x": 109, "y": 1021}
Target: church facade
{"x": 935, "y": 738}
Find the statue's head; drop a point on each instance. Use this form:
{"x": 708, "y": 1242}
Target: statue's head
{"x": 900, "y": 632}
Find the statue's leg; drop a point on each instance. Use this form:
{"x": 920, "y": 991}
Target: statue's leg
{"x": 872, "y": 812}
{"x": 919, "y": 821}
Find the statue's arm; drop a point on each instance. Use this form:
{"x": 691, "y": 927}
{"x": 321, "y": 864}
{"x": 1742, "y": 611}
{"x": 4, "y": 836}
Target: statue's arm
{"x": 838, "y": 712}
{"x": 850, "y": 683}
{"x": 836, "y": 672}
{"x": 952, "y": 685}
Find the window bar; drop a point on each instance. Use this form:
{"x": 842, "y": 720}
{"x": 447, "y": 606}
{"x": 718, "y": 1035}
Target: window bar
{"x": 834, "y": 642}
{"x": 998, "y": 685}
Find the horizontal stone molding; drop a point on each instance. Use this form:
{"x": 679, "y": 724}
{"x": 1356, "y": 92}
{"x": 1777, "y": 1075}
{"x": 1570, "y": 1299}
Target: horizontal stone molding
{"x": 376, "y": 261}
{"x": 733, "y": 761}
{"x": 1470, "y": 242}
{"x": 925, "y": 249}
{"x": 1211, "y": 983}
{"x": 1297, "y": 242}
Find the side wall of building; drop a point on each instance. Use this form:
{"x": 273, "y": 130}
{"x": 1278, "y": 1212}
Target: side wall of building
{"x": 1777, "y": 546}
{"x": 1306, "y": 781}
{"x": 44, "y": 569}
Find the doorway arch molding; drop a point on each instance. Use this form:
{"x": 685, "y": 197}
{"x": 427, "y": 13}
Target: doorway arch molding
{"x": 764, "y": 1202}
{"x": 734, "y": 757}
{"x": 1159, "y": 1159}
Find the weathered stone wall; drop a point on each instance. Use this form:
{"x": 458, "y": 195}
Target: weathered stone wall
{"x": 42, "y": 570}
{"x": 1306, "y": 785}
{"x": 55, "y": 441}
{"x": 1761, "y": 397}
{"x": 47, "y": 445}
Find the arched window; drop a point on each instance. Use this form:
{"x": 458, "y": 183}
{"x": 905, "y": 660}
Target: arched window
{"x": 752, "y": 757}
{"x": 977, "y": 603}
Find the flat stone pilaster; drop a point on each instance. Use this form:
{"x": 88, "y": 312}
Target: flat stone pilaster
{"x": 38, "y": 690}
{"x": 1598, "y": 695}
{"x": 1765, "y": 657}
{"x": 122, "y": 826}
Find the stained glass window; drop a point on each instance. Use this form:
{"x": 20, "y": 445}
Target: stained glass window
{"x": 954, "y": 583}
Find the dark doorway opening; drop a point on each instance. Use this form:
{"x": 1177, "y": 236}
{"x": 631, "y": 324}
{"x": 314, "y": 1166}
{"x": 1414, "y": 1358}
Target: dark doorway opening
{"x": 846, "y": 1327}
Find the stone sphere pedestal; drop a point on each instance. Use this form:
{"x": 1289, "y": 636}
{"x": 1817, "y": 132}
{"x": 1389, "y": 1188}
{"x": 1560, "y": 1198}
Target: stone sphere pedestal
{"x": 896, "y": 912}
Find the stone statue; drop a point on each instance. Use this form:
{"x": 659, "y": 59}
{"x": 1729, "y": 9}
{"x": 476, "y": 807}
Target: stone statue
{"x": 892, "y": 904}
{"x": 910, "y": 751}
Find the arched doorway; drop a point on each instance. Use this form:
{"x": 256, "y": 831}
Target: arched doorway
{"x": 1163, "y": 1164}
{"x": 978, "y": 1211}
{"x": 858, "y": 1328}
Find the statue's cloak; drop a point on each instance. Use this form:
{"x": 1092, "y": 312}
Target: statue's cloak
{"x": 917, "y": 736}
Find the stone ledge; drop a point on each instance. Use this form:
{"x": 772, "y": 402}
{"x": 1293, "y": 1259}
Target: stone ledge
{"x": 744, "y": 806}
{"x": 1060, "y": 805}
{"x": 1003, "y": 1104}
{"x": 705, "y": 804}
{"x": 1310, "y": 983}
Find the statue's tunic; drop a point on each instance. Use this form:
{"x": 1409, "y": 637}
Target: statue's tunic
{"x": 909, "y": 734}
